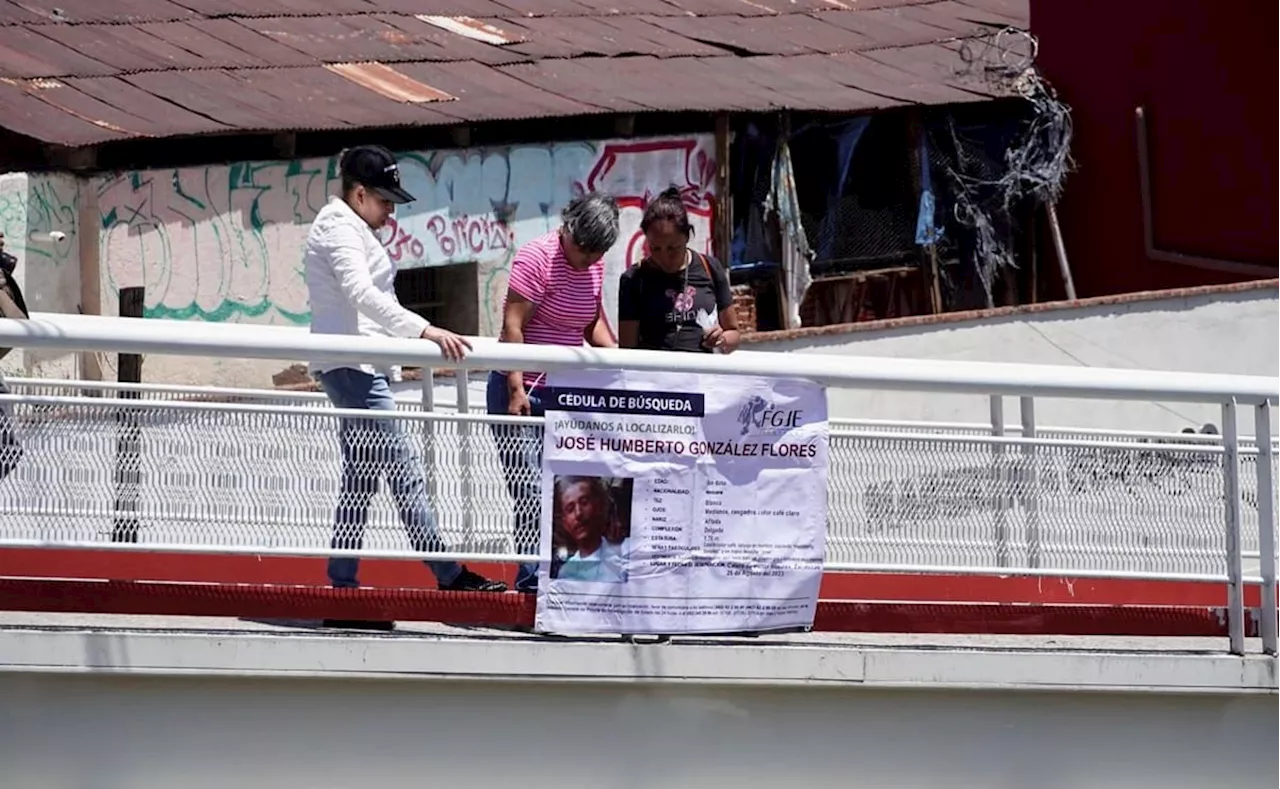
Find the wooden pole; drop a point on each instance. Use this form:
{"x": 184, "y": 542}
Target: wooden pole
{"x": 128, "y": 474}
{"x": 1033, "y": 253}
{"x": 723, "y": 231}
{"x": 1060, "y": 248}
{"x": 129, "y": 365}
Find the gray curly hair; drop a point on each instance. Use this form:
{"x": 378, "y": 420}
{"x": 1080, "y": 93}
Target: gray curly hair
{"x": 592, "y": 222}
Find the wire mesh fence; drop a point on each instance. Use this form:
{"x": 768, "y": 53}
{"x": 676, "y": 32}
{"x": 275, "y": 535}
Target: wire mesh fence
{"x": 861, "y": 215}
{"x": 276, "y": 478}
{"x": 1070, "y": 505}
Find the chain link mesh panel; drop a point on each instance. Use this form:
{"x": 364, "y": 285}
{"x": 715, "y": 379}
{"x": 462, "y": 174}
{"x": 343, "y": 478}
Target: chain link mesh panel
{"x": 869, "y": 220}
{"x": 986, "y": 503}
{"x": 270, "y": 477}
{"x": 255, "y": 476}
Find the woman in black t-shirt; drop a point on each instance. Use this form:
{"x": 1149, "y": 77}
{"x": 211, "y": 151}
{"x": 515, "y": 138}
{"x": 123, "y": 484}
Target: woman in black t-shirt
{"x": 675, "y": 299}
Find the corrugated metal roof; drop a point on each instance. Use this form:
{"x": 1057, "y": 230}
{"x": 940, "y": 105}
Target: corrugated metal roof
{"x": 349, "y": 37}
{"x": 332, "y": 101}
{"x": 490, "y": 94}
{"x": 386, "y": 81}
{"x": 471, "y": 8}
{"x": 21, "y": 108}
{"x": 254, "y": 8}
{"x": 458, "y": 46}
{"x": 126, "y": 48}
{"x": 1014, "y": 13}
{"x": 27, "y": 52}
{"x": 91, "y": 71}
{"x": 159, "y": 113}
{"x": 227, "y": 43}
{"x": 11, "y": 14}
{"x": 867, "y": 72}
{"x": 213, "y": 94}
{"x": 473, "y": 29}
{"x": 116, "y": 11}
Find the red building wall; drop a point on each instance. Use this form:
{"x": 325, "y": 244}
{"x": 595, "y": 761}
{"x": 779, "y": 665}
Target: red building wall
{"x": 1205, "y": 70}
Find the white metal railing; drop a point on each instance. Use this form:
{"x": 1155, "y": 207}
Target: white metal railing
{"x": 157, "y": 467}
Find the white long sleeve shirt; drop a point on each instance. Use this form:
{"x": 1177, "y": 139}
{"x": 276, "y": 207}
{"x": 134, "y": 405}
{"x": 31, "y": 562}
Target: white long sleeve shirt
{"x": 351, "y": 283}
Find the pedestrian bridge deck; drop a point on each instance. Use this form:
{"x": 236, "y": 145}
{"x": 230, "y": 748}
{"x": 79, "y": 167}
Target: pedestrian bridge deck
{"x": 150, "y": 472}
{"x": 75, "y": 643}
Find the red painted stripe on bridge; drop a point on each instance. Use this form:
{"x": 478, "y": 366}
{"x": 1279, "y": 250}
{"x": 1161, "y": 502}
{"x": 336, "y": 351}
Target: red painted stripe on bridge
{"x": 384, "y": 573}
{"x": 301, "y": 603}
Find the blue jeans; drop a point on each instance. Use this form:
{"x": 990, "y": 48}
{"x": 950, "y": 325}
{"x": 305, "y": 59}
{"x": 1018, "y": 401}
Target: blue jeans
{"x": 520, "y": 452}
{"x": 374, "y": 448}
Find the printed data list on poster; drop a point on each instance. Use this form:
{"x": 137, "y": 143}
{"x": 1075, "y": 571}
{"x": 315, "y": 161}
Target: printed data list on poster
{"x": 676, "y": 503}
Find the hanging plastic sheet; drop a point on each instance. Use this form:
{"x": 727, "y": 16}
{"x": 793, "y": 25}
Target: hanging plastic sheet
{"x": 796, "y": 254}
{"x": 927, "y": 230}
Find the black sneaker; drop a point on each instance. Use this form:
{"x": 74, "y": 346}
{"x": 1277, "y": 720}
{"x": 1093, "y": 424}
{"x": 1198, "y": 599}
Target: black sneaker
{"x": 468, "y": 581}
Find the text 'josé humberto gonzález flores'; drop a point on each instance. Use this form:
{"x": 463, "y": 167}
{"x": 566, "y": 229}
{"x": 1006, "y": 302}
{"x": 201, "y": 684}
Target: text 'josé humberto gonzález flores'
{"x": 632, "y": 445}
{"x": 681, "y": 503}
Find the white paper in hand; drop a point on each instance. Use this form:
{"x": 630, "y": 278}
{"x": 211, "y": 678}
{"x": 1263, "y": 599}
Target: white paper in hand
{"x": 708, "y": 321}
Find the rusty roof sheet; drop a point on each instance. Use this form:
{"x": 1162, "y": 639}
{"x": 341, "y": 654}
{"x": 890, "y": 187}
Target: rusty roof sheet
{"x": 472, "y": 8}
{"x": 491, "y": 94}
{"x": 254, "y": 8}
{"x": 872, "y": 75}
{"x": 571, "y": 37}
{"x": 111, "y": 116}
{"x": 13, "y": 14}
{"x": 1014, "y": 13}
{"x": 23, "y": 111}
{"x": 90, "y": 71}
{"x": 26, "y": 52}
{"x": 156, "y": 113}
{"x": 126, "y": 48}
{"x": 349, "y": 37}
{"x": 229, "y": 43}
{"x": 115, "y": 11}
{"x": 476, "y": 44}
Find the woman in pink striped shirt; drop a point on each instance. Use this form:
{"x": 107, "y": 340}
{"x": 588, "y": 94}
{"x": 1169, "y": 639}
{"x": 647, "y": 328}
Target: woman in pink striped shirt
{"x": 553, "y": 298}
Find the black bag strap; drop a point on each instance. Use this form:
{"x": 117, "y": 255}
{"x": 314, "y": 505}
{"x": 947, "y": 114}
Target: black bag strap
{"x": 706, "y": 266}
{"x": 715, "y": 273}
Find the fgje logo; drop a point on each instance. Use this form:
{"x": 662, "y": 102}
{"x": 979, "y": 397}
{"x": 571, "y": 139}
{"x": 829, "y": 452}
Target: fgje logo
{"x": 757, "y": 414}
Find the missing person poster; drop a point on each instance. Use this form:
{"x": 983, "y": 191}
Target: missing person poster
{"x": 677, "y": 503}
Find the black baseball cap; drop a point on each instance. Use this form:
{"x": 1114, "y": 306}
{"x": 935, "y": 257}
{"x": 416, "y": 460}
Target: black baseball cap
{"x": 375, "y": 168}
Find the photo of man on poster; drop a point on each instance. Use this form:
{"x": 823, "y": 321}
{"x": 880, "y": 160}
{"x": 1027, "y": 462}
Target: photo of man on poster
{"x": 591, "y": 528}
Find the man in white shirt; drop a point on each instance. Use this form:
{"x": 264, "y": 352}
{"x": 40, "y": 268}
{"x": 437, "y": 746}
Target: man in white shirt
{"x": 351, "y": 282}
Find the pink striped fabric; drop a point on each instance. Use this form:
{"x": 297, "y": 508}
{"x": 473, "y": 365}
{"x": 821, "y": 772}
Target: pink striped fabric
{"x": 565, "y": 299}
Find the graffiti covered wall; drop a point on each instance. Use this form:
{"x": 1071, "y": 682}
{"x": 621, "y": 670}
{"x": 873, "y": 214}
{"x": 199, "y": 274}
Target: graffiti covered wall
{"x": 224, "y": 243}
{"x": 39, "y": 217}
